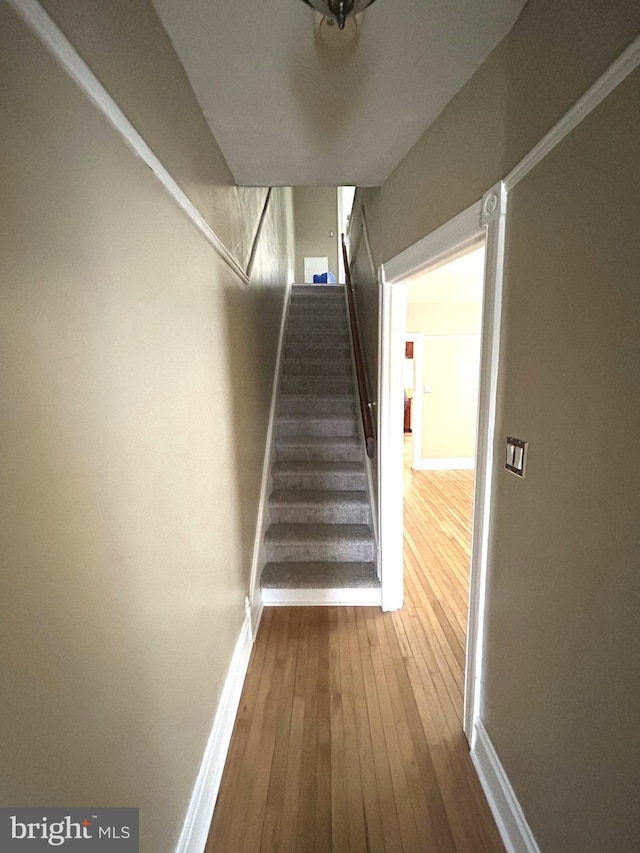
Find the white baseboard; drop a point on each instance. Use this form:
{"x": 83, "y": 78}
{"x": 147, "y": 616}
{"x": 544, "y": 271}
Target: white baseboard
{"x": 369, "y": 597}
{"x": 512, "y": 824}
{"x": 195, "y": 830}
{"x": 459, "y": 463}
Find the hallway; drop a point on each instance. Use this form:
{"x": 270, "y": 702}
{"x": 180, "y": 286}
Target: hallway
{"x": 348, "y": 736}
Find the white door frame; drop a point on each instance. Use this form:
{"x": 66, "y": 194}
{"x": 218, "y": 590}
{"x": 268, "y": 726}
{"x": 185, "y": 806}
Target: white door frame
{"x": 483, "y": 220}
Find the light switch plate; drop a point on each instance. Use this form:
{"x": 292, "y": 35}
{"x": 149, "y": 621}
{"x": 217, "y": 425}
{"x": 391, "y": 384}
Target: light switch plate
{"x": 515, "y": 456}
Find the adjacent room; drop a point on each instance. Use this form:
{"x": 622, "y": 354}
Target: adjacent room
{"x": 441, "y": 378}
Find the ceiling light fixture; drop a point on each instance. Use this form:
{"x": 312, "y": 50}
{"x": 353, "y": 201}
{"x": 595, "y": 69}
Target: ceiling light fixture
{"x": 338, "y": 10}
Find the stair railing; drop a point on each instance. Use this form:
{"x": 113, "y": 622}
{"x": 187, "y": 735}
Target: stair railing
{"x": 365, "y": 403}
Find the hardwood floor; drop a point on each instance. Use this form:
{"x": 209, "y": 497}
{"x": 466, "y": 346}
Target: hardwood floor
{"x": 349, "y": 734}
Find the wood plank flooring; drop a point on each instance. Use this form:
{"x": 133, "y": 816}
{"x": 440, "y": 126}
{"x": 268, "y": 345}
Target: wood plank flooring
{"x": 349, "y": 733}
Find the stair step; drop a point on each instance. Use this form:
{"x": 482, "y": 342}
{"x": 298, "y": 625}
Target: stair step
{"x": 303, "y": 304}
{"x": 323, "y": 337}
{"x": 318, "y": 291}
{"x": 317, "y": 350}
{"x": 317, "y": 326}
{"x": 318, "y": 449}
{"x": 316, "y": 385}
{"x": 319, "y": 542}
{"x": 288, "y": 506}
{"x": 319, "y": 404}
{"x": 314, "y": 575}
{"x": 317, "y": 367}
{"x": 339, "y": 476}
{"x": 308, "y": 424}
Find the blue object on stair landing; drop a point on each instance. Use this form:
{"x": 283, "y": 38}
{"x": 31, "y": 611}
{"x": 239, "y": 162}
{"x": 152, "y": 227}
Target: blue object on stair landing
{"x": 324, "y": 278}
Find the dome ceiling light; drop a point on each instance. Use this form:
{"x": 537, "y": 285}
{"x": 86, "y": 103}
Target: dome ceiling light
{"x": 338, "y": 10}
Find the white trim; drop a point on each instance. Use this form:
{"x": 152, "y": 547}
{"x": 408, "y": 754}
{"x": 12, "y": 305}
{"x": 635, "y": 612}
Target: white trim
{"x": 367, "y": 243}
{"x": 484, "y": 219}
{"x": 618, "y": 71}
{"x": 514, "y": 830}
{"x": 493, "y": 219}
{"x": 258, "y": 234}
{"x": 392, "y": 330}
{"x": 195, "y": 829}
{"x": 267, "y": 482}
{"x": 341, "y": 279}
{"x": 368, "y": 463}
{"x": 373, "y": 503}
{"x": 459, "y": 463}
{"x": 63, "y": 51}
{"x": 349, "y": 596}
{"x": 435, "y": 249}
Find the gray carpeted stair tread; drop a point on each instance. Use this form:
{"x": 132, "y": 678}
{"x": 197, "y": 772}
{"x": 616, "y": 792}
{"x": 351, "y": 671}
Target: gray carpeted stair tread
{"x": 318, "y": 290}
{"x": 314, "y": 441}
{"x": 305, "y": 542}
{"x": 328, "y": 337}
{"x": 317, "y": 575}
{"x": 317, "y": 367}
{"x": 317, "y": 385}
{"x": 301, "y": 424}
{"x": 317, "y": 467}
{"x": 319, "y": 533}
{"x": 318, "y": 496}
{"x": 317, "y": 449}
{"x": 316, "y": 351}
{"x": 304, "y": 304}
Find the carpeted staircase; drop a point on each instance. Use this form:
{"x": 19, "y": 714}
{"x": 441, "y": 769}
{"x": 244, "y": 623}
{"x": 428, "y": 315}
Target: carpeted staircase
{"x": 319, "y": 544}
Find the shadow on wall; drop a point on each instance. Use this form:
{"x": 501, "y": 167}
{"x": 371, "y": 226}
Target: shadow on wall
{"x": 253, "y": 317}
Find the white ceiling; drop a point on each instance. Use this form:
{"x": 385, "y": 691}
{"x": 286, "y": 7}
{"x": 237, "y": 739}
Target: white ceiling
{"x": 287, "y": 109}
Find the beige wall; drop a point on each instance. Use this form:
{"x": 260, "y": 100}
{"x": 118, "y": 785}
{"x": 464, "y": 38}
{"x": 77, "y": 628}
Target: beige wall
{"x": 550, "y": 58}
{"x": 444, "y": 318}
{"x": 127, "y": 48}
{"x": 451, "y": 352}
{"x": 560, "y": 690}
{"x": 136, "y": 385}
{"x": 449, "y": 411}
{"x": 561, "y": 696}
{"x": 316, "y": 214}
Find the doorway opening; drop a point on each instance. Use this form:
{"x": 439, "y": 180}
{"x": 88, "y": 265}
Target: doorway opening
{"x": 483, "y": 223}
{"x": 441, "y": 390}
{"x": 442, "y": 363}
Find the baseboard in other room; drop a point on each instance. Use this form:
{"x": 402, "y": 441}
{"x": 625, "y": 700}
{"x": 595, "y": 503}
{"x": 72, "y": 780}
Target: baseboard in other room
{"x": 512, "y": 824}
{"x": 459, "y": 463}
{"x": 205, "y": 791}
{"x": 366, "y": 597}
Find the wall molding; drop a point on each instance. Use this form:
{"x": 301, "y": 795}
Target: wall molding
{"x": 392, "y": 326}
{"x": 367, "y": 243}
{"x": 436, "y": 246}
{"x": 335, "y": 597}
{"x": 35, "y": 17}
{"x": 255, "y": 600}
{"x": 618, "y": 71}
{"x": 258, "y": 234}
{"x": 514, "y": 830}
{"x": 458, "y": 463}
{"x": 195, "y": 829}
